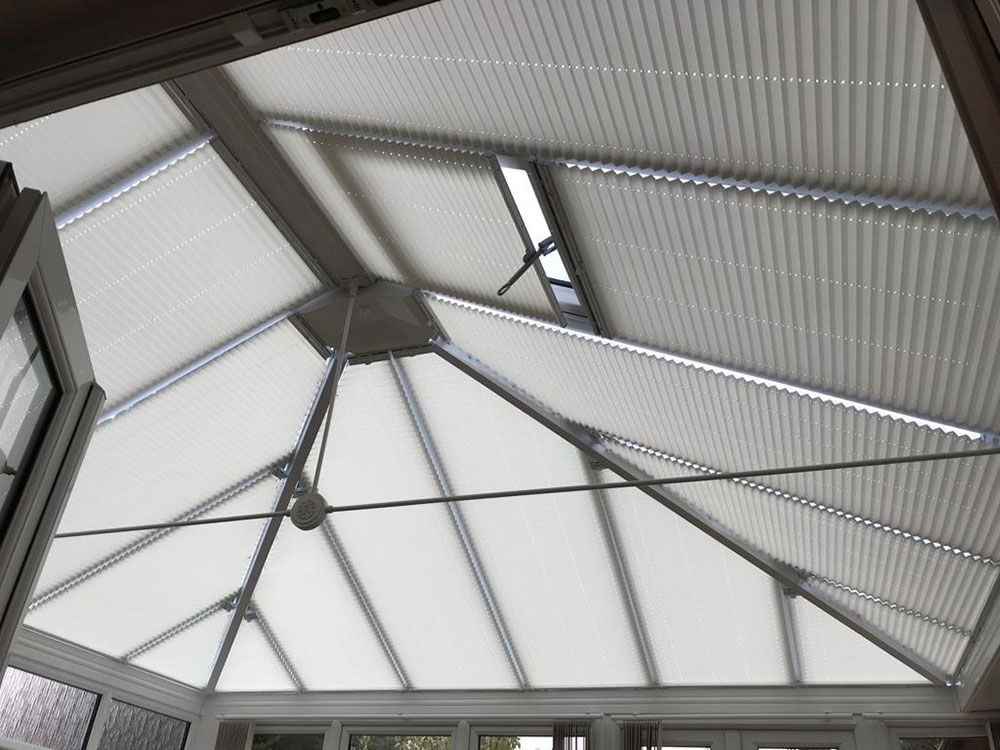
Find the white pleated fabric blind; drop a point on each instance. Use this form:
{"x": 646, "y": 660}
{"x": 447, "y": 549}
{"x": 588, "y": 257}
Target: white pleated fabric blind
{"x": 159, "y": 586}
{"x": 784, "y": 91}
{"x": 941, "y": 643}
{"x": 426, "y": 217}
{"x": 189, "y": 448}
{"x": 307, "y": 596}
{"x": 175, "y": 267}
{"x": 830, "y": 652}
{"x": 409, "y": 561}
{"x": 544, "y": 557}
{"x": 189, "y": 655}
{"x": 907, "y": 572}
{"x": 712, "y": 616}
{"x": 728, "y": 423}
{"x": 76, "y": 154}
{"x": 884, "y": 305}
{"x": 253, "y": 665}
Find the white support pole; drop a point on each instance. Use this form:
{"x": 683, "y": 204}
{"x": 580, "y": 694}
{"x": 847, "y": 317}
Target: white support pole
{"x": 460, "y": 736}
{"x": 605, "y": 734}
{"x": 203, "y": 734}
{"x": 332, "y": 736}
{"x": 100, "y": 720}
{"x": 871, "y": 734}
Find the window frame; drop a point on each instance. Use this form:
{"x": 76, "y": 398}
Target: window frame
{"x": 32, "y": 267}
{"x": 801, "y": 739}
{"x": 519, "y": 729}
{"x": 935, "y": 730}
{"x": 414, "y": 730}
{"x": 714, "y": 739}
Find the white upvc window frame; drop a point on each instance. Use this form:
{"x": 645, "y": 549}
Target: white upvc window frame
{"x": 713, "y": 739}
{"x": 936, "y": 729}
{"x": 794, "y": 737}
{"x": 414, "y": 728}
{"x": 520, "y": 728}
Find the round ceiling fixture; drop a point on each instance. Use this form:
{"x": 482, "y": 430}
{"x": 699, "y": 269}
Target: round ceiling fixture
{"x": 308, "y": 511}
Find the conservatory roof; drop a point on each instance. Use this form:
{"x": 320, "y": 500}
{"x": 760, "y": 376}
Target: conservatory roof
{"x": 781, "y": 253}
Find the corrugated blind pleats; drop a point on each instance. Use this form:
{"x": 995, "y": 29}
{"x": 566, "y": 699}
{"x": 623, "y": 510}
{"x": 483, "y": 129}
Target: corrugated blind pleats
{"x": 916, "y": 576}
{"x": 886, "y": 306}
{"x": 835, "y": 94}
{"x": 727, "y": 424}
{"x": 939, "y": 644}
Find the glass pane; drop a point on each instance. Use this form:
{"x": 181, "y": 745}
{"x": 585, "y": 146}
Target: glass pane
{"x": 26, "y": 392}
{"x": 944, "y": 743}
{"x": 287, "y": 742}
{"x": 501, "y": 742}
{"x": 131, "y": 727}
{"x": 399, "y": 742}
{"x": 44, "y": 712}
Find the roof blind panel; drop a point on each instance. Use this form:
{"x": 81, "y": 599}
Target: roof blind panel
{"x": 76, "y": 154}
{"x": 175, "y": 267}
{"x": 712, "y": 617}
{"x": 830, "y": 652}
{"x": 939, "y": 642}
{"x": 252, "y": 664}
{"x": 189, "y": 655}
{"x": 159, "y": 586}
{"x": 886, "y": 306}
{"x": 303, "y": 592}
{"x": 820, "y": 541}
{"x": 410, "y": 561}
{"x": 426, "y": 217}
{"x": 779, "y": 92}
{"x": 544, "y": 557}
{"x": 727, "y": 424}
{"x": 218, "y": 429}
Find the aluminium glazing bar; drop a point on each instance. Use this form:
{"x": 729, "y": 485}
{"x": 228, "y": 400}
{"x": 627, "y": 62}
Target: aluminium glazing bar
{"x": 468, "y": 546}
{"x": 784, "y": 573}
{"x": 613, "y": 545}
{"x": 212, "y": 103}
{"x": 367, "y": 609}
{"x": 254, "y": 613}
{"x": 788, "y": 632}
{"x": 196, "y": 365}
{"x": 317, "y": 413}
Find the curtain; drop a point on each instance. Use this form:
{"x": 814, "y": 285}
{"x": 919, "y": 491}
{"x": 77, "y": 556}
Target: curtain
{"x": 233, "y": 735}
{"x": 573, "y": 734}
{"x": 640, "y": 735}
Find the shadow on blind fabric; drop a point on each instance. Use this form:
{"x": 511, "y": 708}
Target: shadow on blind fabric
{"x": 570, "y": 735}
{"x": 640, "y": 735}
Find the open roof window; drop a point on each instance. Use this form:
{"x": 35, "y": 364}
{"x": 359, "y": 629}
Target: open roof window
{"x": 533, "y": 217}
{"x": 544, "y": 244}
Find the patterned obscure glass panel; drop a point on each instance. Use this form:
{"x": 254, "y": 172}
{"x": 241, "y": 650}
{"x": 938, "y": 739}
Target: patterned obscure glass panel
{"x": 399, "y": 742}
{"x": 287, "y": 742}
{"x": 44, "y": 712}
{"x": 130, "y": 727}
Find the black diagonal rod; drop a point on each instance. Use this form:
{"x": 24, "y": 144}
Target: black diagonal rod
{"x": 717, "y": 477}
